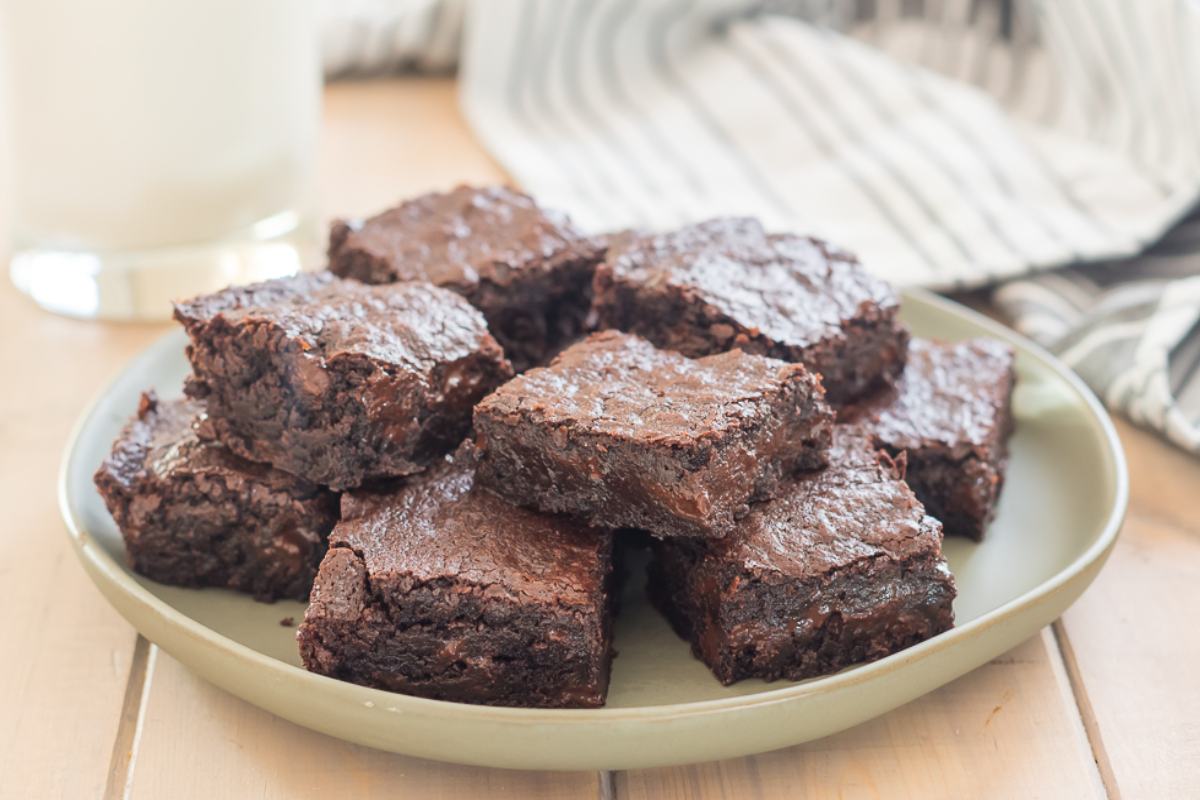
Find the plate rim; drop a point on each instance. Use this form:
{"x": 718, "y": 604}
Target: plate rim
{"x": 98, "y": 559}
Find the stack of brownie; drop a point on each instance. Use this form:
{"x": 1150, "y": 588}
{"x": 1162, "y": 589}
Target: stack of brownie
{"x": 498, "y": 399}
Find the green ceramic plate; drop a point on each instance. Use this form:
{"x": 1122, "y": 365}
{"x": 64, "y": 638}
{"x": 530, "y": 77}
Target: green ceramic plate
{"x": 1058, "y": 519}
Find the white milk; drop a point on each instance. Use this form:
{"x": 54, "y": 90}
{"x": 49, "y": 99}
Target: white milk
{"x": 173, "y": 137}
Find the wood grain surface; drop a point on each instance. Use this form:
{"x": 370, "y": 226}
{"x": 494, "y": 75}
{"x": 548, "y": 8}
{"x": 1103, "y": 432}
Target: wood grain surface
{"x": 1107, "y": 702}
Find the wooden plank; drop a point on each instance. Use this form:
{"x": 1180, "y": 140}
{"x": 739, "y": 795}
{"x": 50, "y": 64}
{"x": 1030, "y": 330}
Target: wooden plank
{"x": 1132, "y": 643}
{"x": 199, "y": 742}
{"x": 62, "y": 681}
{"x": 1009, "y": 729}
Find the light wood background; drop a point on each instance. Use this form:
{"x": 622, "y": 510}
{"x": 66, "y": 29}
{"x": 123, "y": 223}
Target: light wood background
{"x": 1104, "y": 702}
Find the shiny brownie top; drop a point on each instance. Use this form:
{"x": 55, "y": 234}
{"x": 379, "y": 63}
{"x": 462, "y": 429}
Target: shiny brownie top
{"x": 441, "y": 526}
{"x": 619, "y": 385}
{"x": 458, "y": 238}
{"x": 951, "y": 394}
{"x": 412, "y": 325}
{"x": 854, "y": 511}
{"x": 791, "y": 289}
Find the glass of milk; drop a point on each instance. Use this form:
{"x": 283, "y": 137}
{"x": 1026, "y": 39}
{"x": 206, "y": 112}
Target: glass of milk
{"x": 157, "y": 148}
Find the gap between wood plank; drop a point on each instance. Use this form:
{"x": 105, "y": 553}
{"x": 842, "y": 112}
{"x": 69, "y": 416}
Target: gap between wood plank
{"x": 124, "y": 752}
{"x": 608, "y": 785}
{"x": 1086, "y": 713}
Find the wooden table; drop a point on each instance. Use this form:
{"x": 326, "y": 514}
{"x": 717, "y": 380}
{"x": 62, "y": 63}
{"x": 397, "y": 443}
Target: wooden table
{"x": 1105, "y": 701}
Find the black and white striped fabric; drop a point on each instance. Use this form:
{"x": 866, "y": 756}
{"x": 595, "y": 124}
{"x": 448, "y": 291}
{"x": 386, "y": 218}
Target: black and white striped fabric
{"x": 360, "y": 38}
{"x": 951, "y": 143}
{"x": 1131, "y": 330}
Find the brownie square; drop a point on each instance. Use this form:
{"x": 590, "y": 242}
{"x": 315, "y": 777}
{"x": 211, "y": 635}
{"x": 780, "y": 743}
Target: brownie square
{"x": 440, "y": 589}
{"x": 727, "y": 283}
{"x": 336, "y": 381}
{"x": 194, "y": 514}
{"x": 844, "y": 566}
{"x": 526, "y": 268}
{"x": 951, "y": 414}
{"x": 621, "y": 434}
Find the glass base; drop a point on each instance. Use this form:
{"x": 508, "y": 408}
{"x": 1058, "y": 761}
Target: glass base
{"x": 141, "y": 285}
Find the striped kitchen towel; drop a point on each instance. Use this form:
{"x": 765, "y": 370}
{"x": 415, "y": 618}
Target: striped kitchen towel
{"x": 361, "y": 38}
{"x": 952, "y": 144}
{"x": 1129, "y": 328}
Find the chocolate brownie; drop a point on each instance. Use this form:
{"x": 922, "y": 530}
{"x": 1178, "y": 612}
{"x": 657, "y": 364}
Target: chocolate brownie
{"x": 439, "y": 589}
{"x": 621, "y": 434}
{"x": 844, "y": 566}
{"x": 951, "y": 413}
{"x": 526, "y": 268}
{"x": 336, "y": 381}
{"x": 194, "y": 514}
{"x": 727, "y": 283}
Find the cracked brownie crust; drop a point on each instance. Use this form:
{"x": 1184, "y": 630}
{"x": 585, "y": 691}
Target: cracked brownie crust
{"x": 951, "y": 414}
{"x": 621, "y": 434}
{"x": 336, "y": 381}
{"x": 727, "y": 283}
{"x": 439, "y": 589}
{"x": 843, "y": 567}
{"x": 526, "y": 268}
{"x": 194, "y": 514}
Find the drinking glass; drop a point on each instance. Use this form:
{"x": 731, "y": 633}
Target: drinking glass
{"x": 158, "y": 148}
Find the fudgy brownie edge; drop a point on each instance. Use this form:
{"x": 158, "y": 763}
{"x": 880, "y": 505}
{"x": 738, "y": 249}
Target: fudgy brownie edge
{"x": 336, "y": 381}
{"x": 194, "y": 514}
{"x": 621, "y": 434}
{"x": 438, "y": 589}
